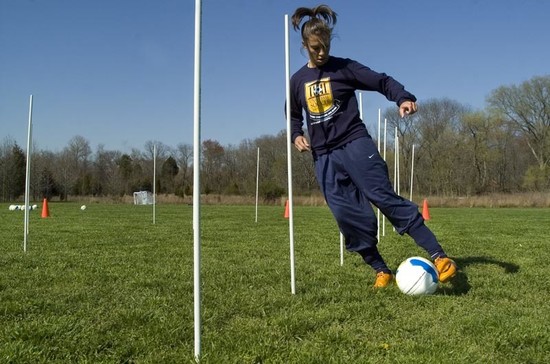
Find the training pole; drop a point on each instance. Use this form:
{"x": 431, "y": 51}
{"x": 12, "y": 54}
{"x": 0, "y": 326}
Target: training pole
{"x": 28, "y": 179}
{"x": 378, "y": 210}
{"x": 384, "y": 216}
{"x": 395, "y": 146}
{"x": 154, "y": 182}
{"x": 196, "y": 182}
{"x": 395, "y": 156}
{"x": 398, "y": 142}
{"x": 257, "y": 180}
{"x": 412, "y": 174}
{"x": 341, "y": 248}
{"x": 289, "y": 160}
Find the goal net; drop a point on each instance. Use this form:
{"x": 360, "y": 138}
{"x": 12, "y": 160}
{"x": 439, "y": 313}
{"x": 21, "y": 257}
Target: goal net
{"x": 143, "y": 198}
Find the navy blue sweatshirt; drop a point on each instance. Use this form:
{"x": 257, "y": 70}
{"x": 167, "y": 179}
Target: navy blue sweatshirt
{"x": 327, "y": 94}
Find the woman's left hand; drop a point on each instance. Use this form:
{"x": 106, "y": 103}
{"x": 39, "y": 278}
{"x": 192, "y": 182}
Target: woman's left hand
{"x": 407, "y": 108}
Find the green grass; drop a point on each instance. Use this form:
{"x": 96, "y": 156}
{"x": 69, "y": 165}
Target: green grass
{"x": 105, "y": 285}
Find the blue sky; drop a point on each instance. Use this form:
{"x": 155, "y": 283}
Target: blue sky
{"x": 120, "y": 72}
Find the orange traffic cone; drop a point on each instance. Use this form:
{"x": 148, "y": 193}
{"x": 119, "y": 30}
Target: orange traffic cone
{"x": 425, "y": 210}
{"x": 286, "y": 209}
{"x": 45, "y": 210}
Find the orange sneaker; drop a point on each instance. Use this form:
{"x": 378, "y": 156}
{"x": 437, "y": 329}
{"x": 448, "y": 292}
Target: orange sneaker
{"x": 446, "y": 268}
{"x": 383, "y": 279}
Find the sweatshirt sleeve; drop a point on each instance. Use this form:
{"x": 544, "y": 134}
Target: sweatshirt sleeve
{"x": 296, "y": 114}
{"x": 370, "y": 80}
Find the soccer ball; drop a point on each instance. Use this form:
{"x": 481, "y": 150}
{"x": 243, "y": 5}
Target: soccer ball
{"x": 83, "y": 207}
{"x": 417, "y": 276}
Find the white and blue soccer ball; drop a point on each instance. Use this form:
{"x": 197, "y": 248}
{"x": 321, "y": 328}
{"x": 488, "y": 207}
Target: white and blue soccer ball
{"x": 417, "y": 276}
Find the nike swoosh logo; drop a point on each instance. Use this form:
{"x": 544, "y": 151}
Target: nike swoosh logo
{"x": 372, "y": 155}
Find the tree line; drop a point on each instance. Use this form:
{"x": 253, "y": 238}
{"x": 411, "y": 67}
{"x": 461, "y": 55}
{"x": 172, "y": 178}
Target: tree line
{"x": 457, "y": 152}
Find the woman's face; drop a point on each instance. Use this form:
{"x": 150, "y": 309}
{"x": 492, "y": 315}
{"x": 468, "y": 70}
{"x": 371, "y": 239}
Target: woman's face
{"x": 318, "y": 50}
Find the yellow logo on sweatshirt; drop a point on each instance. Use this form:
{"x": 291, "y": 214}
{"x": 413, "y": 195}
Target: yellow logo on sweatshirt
{"x": 320, "y": 101}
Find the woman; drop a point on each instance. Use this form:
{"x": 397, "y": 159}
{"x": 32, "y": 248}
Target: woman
{"x": 349, "y": 168}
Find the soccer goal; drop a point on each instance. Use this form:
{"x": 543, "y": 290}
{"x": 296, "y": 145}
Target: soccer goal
{"x": 143, "y": 198}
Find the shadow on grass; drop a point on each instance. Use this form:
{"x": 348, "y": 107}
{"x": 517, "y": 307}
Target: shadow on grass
{"x": 459, "y": 285}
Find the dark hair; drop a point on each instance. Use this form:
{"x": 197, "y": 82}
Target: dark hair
{"x": 320, "y": 23}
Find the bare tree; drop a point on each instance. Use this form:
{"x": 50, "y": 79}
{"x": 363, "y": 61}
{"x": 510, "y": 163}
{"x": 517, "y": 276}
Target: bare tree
{"x": 12, "y": 170}
{"x": 527, "y": 106}
{"x": 245, "y": 166}
{"x": 439, "y": 145}
{"x": 184, "y": 156}
{"x": 212, "y": 163}
{"x": 43, "y": 183}
{"x": 105, "y": 172}
{"x": 74, "y": 167}
{"x": 408, "y": 132}
{"x": 273, "y": 165}
{"x": 163, "y": 150}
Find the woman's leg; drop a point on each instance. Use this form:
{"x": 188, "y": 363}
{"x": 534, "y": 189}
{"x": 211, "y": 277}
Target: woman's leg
{"x": 351, "y": 209}
{"x": 369, "y": 173}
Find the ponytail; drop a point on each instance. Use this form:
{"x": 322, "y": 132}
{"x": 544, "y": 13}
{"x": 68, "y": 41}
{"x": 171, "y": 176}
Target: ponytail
{"x": 320, "y": 23}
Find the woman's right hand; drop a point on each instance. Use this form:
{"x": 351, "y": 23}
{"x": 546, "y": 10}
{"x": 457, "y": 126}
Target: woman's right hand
{"x": 301, "y": 144}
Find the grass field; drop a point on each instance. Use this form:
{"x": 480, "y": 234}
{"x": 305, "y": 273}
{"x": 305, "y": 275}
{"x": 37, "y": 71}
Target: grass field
{"x": 105, "y": 285}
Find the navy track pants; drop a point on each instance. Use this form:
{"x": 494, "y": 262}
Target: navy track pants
{"x": 354, "y": 176}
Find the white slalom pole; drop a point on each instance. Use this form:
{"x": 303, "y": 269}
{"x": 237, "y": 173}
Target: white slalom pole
{"x": 378, "y": 210}
{"x": 395, "y": 146}
{"x": 398, "y": 167}
{"x": 28, "y": 179}
{"x": 196, "y": 183}
{"x": 412, "y": 174}
{"x": 154, "y": 181}
{"x": 257, "y": 181}
{"x": 384, "y": 216}
{"x": 289, "y": 160}
{"x": 341, "y": 248}
{"x": 379, "y": 120}
{"x": 361, "y": 105}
